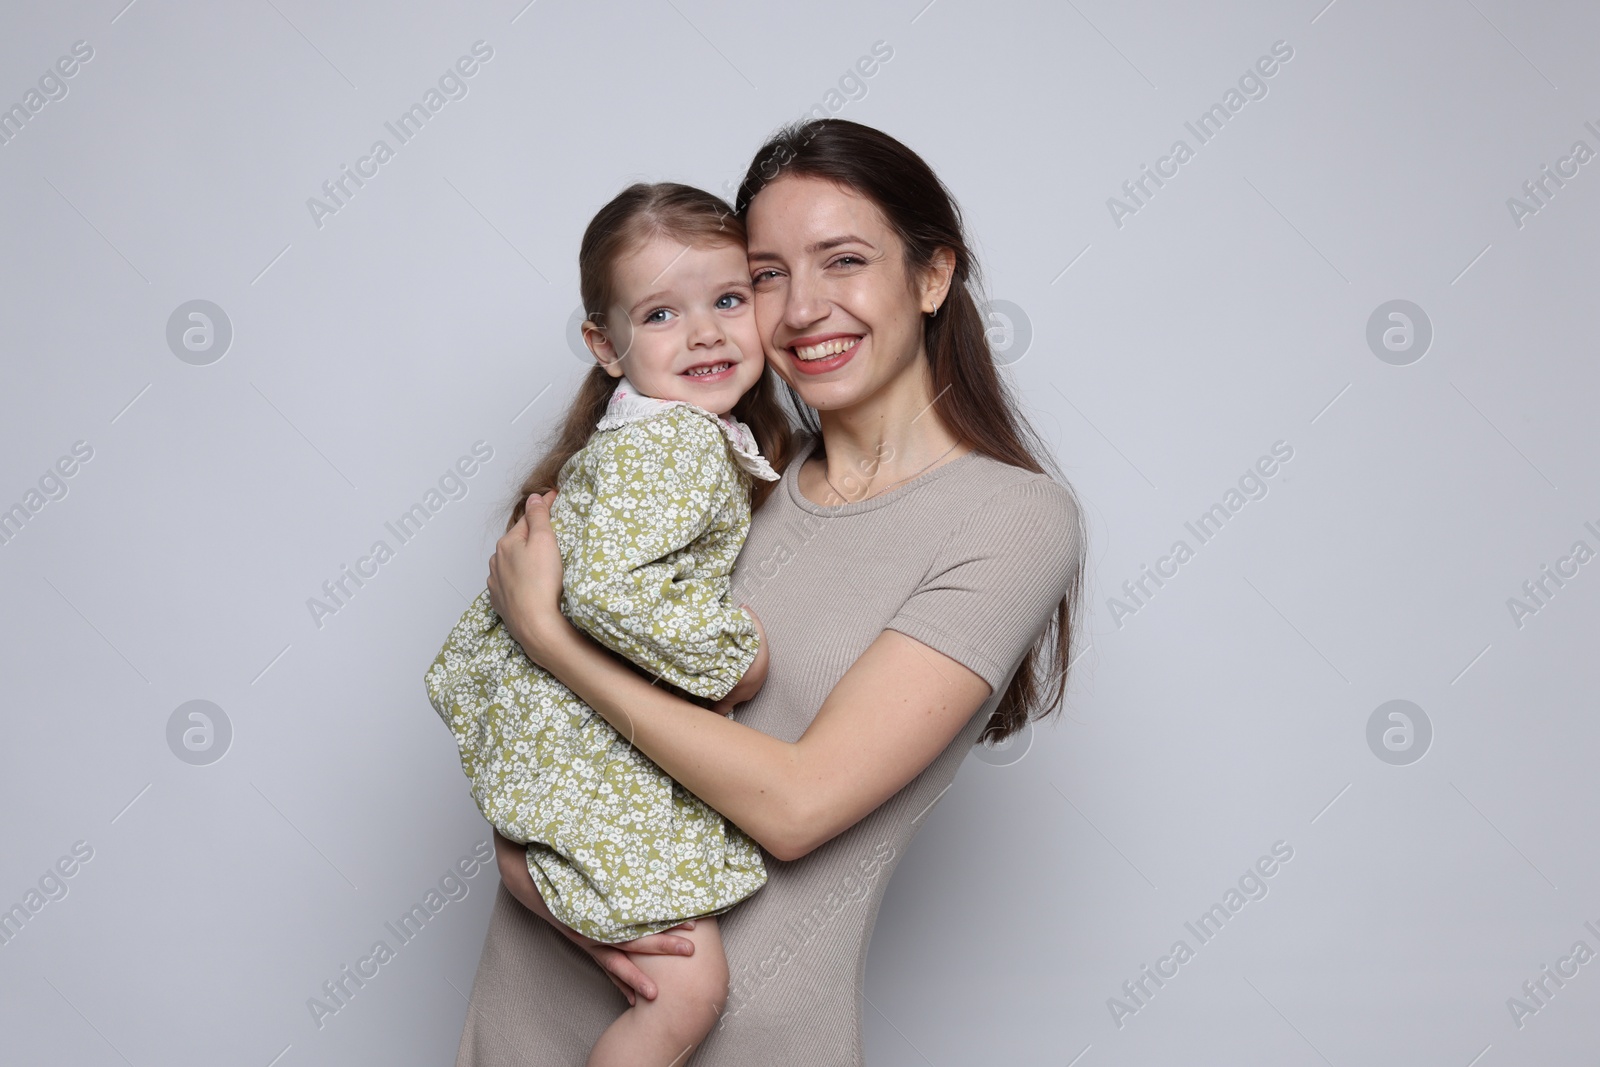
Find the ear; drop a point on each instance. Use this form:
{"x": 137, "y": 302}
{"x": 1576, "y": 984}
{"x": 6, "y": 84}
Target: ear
{"x": 935, "y": 282}
{"x": 601, "y": 348}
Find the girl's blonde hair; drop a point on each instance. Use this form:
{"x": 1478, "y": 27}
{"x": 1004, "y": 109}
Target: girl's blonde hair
{"x": 633, "y": 217}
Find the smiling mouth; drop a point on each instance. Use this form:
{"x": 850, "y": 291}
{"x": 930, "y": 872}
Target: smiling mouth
{"x": 825, "y": 349}
{"x": 709, "y": 368}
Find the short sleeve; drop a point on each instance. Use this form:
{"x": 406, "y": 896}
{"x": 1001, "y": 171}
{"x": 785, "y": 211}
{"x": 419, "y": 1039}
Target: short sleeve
{"x": 997, "y": 579}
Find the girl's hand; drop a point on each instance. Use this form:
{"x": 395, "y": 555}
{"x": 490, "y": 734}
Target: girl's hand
{"x": 525, "y": 575}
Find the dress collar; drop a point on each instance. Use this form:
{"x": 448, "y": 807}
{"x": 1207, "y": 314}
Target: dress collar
{"x": 627, "y": 405}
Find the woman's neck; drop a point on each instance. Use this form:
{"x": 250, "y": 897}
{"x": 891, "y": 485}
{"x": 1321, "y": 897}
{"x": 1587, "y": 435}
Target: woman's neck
{"x": 888, "y": 438}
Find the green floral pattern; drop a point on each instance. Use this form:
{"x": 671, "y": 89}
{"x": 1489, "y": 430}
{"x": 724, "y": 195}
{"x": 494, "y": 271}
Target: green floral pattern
{"x": 650, "y": 517}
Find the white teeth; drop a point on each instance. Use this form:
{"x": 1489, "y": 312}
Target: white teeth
{"x": 826, "y": 348}
{"x": 701, "y": 371}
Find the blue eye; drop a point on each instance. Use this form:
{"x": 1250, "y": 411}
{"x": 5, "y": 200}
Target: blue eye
{"x": 762, "y": 276}
{"x": 843, "y": 259}
{"x": 652, "y": 317}
{"x": 722, "y": 301}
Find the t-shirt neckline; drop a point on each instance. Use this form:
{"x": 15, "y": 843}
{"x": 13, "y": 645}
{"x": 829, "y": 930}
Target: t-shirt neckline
{"x": 791, "y": 481}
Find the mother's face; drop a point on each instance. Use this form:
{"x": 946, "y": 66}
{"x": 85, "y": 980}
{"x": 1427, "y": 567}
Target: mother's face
{"x": 839, "y": 315}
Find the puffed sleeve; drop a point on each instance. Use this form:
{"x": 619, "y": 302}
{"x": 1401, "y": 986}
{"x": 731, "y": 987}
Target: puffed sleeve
{"x": 635, "y": 582}
{"x": 997, "y": 578}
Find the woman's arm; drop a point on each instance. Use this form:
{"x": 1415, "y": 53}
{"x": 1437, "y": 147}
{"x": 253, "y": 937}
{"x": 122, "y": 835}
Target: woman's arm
{"x": 886, "y": 720}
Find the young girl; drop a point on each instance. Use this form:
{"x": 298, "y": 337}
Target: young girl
{"x": 656, "y": 469}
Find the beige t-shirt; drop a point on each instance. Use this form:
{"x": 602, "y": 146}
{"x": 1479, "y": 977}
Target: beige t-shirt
{"x": 969, "y": 558}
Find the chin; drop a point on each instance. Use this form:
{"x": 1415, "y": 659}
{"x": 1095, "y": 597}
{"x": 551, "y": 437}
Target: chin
{"x": 736, "y": 390}
{"x": 834, "y": 396}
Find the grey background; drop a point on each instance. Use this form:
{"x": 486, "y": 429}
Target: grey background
{"x": 1167, "y": 355}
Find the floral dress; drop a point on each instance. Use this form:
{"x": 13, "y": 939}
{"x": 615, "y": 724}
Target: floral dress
{"x": 650, "y": 516}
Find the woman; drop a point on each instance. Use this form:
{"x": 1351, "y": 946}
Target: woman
{"x": 916, "y": 572}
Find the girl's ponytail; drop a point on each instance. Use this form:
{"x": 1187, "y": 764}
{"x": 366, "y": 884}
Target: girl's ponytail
{"x": 587, "y": 409}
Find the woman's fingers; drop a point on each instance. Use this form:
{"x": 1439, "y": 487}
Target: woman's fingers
{"x": 517, "y": 532}
{"x": 623, "y": 988}
{"x": 535, "y": 510}
{"x": 625, "y": 974}
{"x": 663, "y": 944}
{"x": 623, "y": 971}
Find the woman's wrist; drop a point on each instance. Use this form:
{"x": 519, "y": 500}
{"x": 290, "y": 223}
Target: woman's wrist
{"x": 543, "y": 637}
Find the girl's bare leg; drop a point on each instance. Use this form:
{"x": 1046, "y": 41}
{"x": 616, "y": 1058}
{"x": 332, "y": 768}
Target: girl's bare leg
{"x": 692, "y": 991}
{"x": 619, "y": 962}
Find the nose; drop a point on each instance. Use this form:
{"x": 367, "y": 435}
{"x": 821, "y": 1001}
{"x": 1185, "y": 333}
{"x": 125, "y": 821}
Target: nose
{"x": 704, "y": 331}
{"x": 803, "y": 303}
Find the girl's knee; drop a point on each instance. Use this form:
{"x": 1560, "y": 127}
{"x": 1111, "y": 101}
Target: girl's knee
{"x": 710, "y": 987}
{"x": 704, "y": 986}
{"x": 693, "y": 989}
{"x": 692, "y": 1009}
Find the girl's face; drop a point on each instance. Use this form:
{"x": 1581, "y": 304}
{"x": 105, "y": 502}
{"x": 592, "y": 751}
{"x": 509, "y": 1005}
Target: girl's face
{"x": 839, "y": 315}
{"x": 683, "y": 326}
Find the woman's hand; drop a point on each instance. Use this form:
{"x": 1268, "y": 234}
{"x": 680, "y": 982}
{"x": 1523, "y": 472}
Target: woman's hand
{"x": 619, "y": 966}
{"x": 512, "y": 860}
{"x": 525, "y": 576}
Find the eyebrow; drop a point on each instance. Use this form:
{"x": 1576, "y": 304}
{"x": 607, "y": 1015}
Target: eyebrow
{"x": 820, "y": 246}
{"x": 664, "y": 294}
{"x": 658, "y": 295}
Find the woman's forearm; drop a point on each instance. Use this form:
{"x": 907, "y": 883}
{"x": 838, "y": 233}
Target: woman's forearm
{"x": 899, "y": 705}
{"x": 748, "y": 776}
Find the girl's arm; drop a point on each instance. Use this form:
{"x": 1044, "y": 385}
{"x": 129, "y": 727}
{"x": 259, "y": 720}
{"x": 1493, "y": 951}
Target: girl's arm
{"x": 754, "y": 678}
{"x": 656, "y": 487}
{"x": 892, "y": 713}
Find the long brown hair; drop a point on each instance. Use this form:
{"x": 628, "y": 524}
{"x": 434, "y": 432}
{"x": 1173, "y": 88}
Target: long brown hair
{"x": 970, "y": 397}
{"x": 633, "y": 216}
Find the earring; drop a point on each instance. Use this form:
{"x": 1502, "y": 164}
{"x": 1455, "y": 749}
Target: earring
{"x": 934, "y": 313}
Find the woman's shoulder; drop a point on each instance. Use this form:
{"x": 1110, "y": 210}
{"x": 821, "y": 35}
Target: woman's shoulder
{"x": 1014, "y": 494}
{"x": 1006, "y": 546}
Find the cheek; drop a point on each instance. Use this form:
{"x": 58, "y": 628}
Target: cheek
{"x": 868, "y": 302}
{"x": 782, "y": 371}
{"x": 745, "y": 335}
{"x": 888, "y": 304}
{"x": 621, "y": 338}
{"x": 655, "y": 347}
{"x": 895, "y": 323}
{"x": 768, "y": 313}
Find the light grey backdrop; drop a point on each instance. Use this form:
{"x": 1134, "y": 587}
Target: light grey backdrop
{"x": 1440, "y": 455}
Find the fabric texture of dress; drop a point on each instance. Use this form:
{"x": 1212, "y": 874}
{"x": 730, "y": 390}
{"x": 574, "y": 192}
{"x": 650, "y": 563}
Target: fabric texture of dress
{"x": 650, "y": 515}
